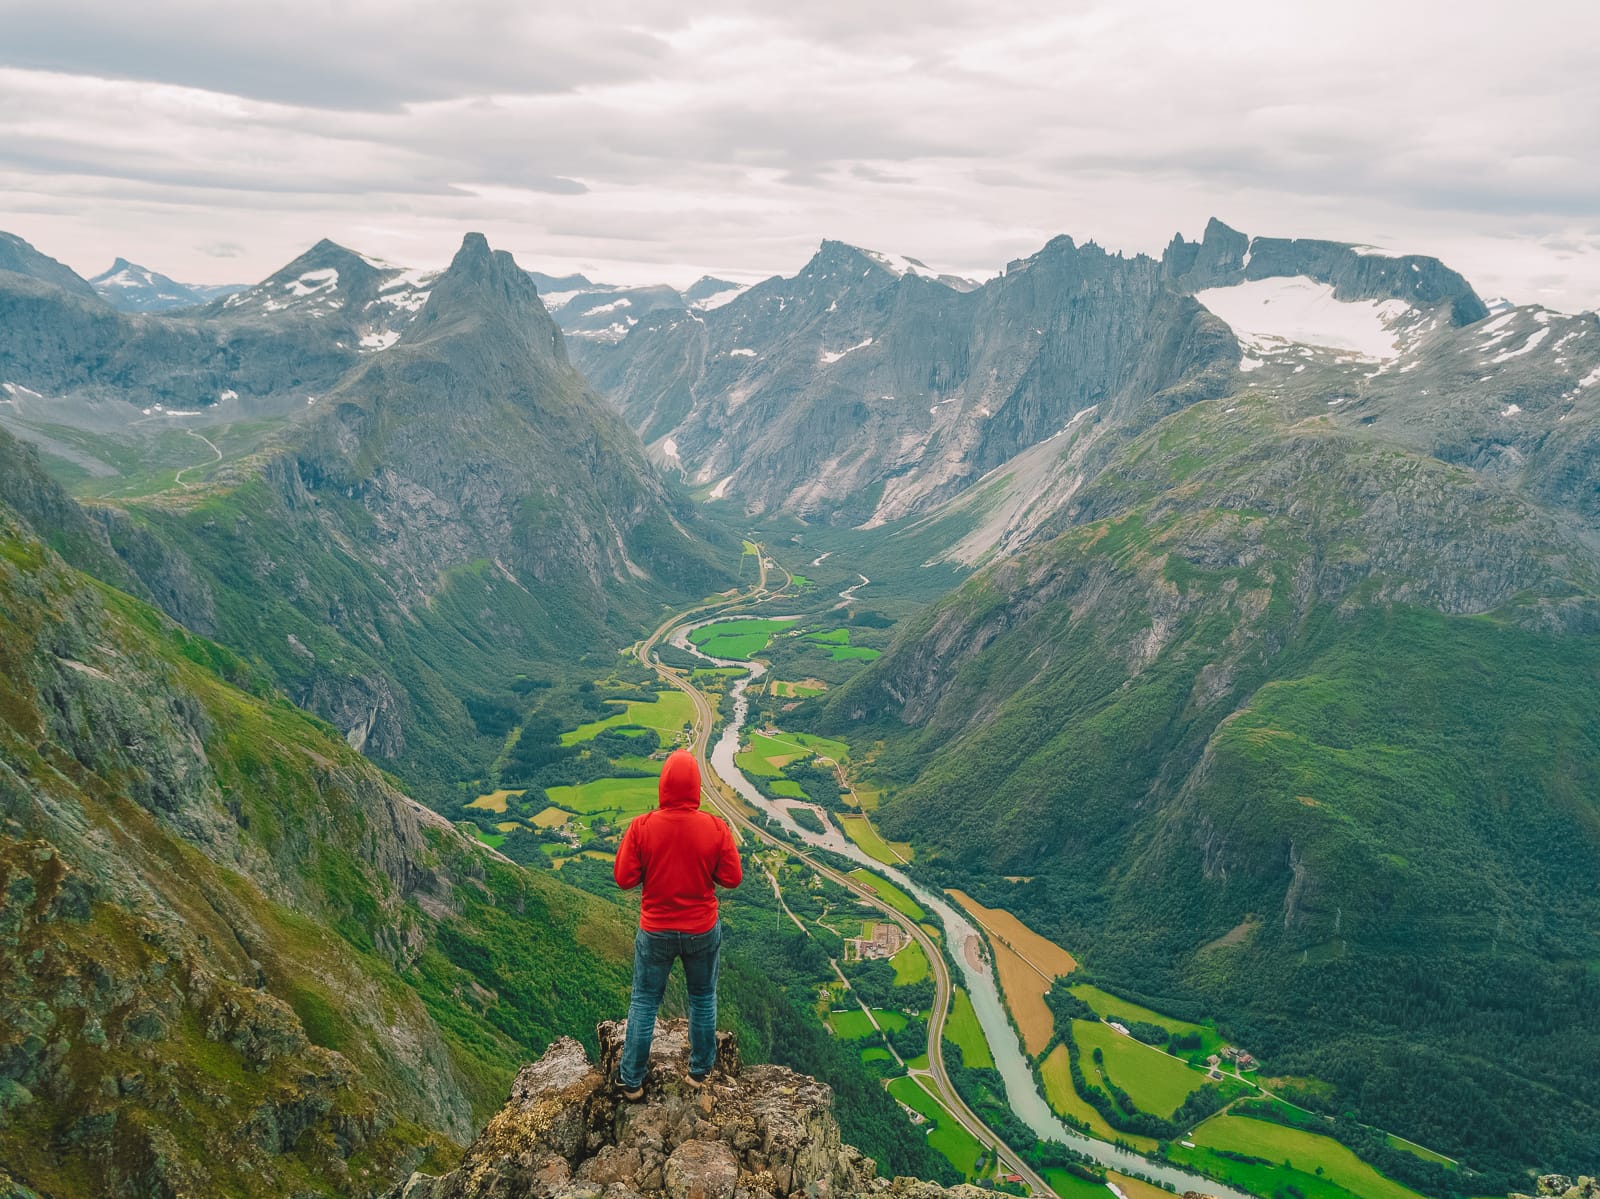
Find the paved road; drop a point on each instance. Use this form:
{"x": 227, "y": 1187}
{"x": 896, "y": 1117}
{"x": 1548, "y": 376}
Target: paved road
{"x": 728, "y": 805}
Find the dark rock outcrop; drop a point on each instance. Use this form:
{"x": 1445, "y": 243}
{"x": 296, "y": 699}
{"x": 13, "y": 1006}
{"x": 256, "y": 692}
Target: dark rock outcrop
{"x": 755, "y": 1132}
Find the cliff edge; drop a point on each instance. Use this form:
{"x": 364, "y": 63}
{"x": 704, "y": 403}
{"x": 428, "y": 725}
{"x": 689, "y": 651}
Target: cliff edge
{"x": 756, "y": 1132}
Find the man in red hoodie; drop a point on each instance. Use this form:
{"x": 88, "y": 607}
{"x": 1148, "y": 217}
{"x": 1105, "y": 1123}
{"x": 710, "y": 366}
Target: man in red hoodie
{"x": 678, "y": 852}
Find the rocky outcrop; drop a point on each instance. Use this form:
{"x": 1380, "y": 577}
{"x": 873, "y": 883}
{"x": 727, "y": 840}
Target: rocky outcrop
{"x": 1559, "y": 1186}
{"x": 754, "y": 1132}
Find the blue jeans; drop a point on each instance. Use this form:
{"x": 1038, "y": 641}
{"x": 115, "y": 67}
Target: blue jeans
{"x": 653, "y": 955}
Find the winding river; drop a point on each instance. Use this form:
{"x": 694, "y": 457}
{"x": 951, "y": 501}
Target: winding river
{"x": 1021, "y": 1088}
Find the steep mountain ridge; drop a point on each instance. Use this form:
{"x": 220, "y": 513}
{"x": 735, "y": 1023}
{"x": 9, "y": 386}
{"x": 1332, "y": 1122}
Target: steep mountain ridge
{"x": 450, "y": 515}
{"x": 441, "y": 516}
{"x": 856, "y": 392}
{"x": 238, "y": 961}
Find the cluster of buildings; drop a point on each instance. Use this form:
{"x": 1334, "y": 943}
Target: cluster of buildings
{"x": 880, "y": 939}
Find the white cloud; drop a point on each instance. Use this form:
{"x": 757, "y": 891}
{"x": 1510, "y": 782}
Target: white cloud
{"x": 644, "y": 141}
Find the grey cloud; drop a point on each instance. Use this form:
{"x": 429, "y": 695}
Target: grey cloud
{"x": 349, "y": 55}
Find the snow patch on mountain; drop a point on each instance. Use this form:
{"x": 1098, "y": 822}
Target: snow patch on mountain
{"x": 1270, "y": 315}
{"x": 829, "y": 357}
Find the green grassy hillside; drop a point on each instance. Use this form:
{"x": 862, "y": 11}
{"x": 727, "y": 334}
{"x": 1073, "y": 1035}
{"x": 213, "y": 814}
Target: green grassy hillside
{"x": 1336, "y": 699}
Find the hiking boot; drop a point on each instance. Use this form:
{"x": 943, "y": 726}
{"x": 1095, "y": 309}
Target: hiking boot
{"x": 630, "y": 1094}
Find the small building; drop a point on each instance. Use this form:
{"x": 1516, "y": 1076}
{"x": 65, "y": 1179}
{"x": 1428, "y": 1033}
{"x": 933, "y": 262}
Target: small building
{"x": 1120, "y": 1027}
{"x": 1246, "y": 1061}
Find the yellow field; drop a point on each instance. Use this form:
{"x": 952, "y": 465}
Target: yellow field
{"x": 552, "y": 817}
{"x": 1135, "y": 1189}
{"x": 1027, "y": 964}
{"x": 495, "y": 801}
{"x": 505, "y": 826}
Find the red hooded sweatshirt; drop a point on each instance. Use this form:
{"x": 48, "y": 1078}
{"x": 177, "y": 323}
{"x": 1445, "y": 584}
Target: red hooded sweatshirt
{"x": 678, "y": 852}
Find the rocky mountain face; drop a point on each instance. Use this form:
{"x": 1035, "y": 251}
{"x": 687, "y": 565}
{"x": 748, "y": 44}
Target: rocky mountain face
{"x": 129, "y": 287}
{"x": 755, "y": 1131}
{"x": 235, "y": 959}
{"x": 867, "y": 389}
{"x": 448, "y": 510}
{"x": 864, "y": 389}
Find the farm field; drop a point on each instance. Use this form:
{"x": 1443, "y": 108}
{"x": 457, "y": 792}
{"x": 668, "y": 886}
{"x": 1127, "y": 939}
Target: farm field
{"x": 1137, "y": 1188}
{"x": 876, "y": 1053}
{"x": 1027, "y": 964}
{"x": 667, "y": 714}
{"x": 1108, "y": 1006}
{"x": 495, "y": 801}
{"x": 804, "y": 689}
{"x": 1068, "y": 1185}
{"x": 1056, "y": 1071}
{"x": 551, "y": 818}
{"x": 625, "y": 796}
{"x": 889, "y": 893}
{"x": 737, "y": 640}
{"x": 1158, "y": 1084}
{"x": 1343, "y": 1173}
{"x": 851, "y": 1024}
{"x": 766, "y": 754}
{"x": 963, "y": 1030}
{"x": 838, "y": 642}
{"x": 859, "y": 829}
{"x": 910, "y": 965}
{"x": 957, "y": 1145}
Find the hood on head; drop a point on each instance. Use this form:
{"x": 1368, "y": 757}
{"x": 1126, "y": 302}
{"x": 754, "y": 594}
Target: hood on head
{"x": 680, "y": 781}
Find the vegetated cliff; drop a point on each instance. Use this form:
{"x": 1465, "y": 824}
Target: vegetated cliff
{"x": 234, "y": 959}
{"x": 755, "y": 1132}
{"x": 1277, "y": 676}
{"x": 440, "y": 518}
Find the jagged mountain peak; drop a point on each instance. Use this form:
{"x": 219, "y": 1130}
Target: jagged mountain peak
{"x": 483, "y": 284}
{"x": 833, "y": 255}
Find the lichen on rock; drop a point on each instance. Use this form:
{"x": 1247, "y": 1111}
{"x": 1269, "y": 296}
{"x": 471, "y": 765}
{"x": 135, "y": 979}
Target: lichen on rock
{"x": 754, "y": 1132}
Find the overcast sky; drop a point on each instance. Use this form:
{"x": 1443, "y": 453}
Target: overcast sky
{"x": 655, "y": 141}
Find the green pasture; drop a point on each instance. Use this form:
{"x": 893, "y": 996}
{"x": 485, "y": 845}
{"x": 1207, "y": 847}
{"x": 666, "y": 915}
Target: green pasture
{"x": 667, "y": 714}
{"x": 910, "y": 965}
{"x": 851, "y": 1024}
{"x": 958, "y": 1146}
{"x": 963, "y": 1030}
{"x": 859, "y": 829}
{"x": 1157, "y": 1083}
{"x": 737, "y": 640}
{"x": 889, "y": 893}
{"x": 1296, "y": 1156}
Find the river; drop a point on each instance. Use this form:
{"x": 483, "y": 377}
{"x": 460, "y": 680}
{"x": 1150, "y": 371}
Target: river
{"x": 1021, "y": 1088}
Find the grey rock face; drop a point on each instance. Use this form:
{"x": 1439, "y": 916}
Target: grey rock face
{"x": 752, "y": 1132}
{"x": 1225, "y": 256}
{"x": 855, "y": 392}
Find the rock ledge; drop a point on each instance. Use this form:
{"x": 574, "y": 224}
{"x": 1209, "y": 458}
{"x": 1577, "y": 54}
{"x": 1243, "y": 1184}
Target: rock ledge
{"x": 755, "y": 1132}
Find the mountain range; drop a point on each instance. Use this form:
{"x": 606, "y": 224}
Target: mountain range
{"x": 1268, "y": 682}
